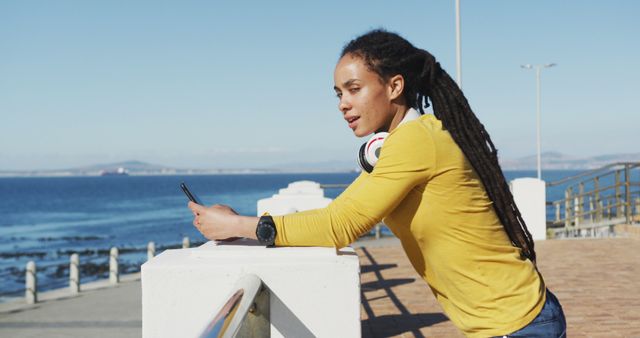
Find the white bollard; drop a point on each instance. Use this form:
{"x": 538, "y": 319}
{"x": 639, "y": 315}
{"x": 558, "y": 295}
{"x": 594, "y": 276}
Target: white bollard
{"x": 529, "y": 195}
{"x": 151, "y": 250}
{"x": 378, "y": 231}
{"x": 185, "y": 242}
{"x": 74, "y": 273}
{"x": 31, "y": 284}
{"x": 114, "y": 277}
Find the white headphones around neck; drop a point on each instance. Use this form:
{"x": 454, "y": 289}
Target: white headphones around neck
{"x": 370, "y": 151}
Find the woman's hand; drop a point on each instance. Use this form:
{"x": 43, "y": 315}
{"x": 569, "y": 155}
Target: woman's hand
{"x": 221, "y": 222}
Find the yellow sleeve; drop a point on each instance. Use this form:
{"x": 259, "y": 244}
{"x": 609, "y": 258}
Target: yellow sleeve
{"x": 406, "y": 160}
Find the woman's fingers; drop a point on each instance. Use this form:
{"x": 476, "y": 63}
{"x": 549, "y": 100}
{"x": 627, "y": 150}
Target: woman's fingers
{"x": 212, "y": 221}
{"x": 195, "y": 208}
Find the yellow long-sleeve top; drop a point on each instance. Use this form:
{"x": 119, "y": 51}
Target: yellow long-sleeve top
{"x": 427, "y": 193}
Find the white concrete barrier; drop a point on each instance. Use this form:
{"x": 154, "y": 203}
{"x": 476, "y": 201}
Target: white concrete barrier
{"x": 31, "y": 283}
{"x": 298, "y": 196}
{"x": 314, "y": 292}
{"x": 114, "y": 271}
{"x": 74, "y": 273}
{"x": 530, "y": 197}
{"x": 185, "y": 242}
{"x": 151, "y": 250}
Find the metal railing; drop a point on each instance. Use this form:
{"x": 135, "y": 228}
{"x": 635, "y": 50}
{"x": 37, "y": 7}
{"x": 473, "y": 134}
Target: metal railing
{"x": 597, "y": 200}
{"x": 245, "y": 314}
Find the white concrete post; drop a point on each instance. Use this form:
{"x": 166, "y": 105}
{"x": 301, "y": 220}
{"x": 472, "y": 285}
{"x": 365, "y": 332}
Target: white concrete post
{"x": 151, "y": 250}
{"x": 185, "y": 242}
{"x": 529, "y": 195}
{"x": 31, "y": 283}
{"x": 114, "y": 276}
{"x": 378, "y": 231}
{"x": 74, "y": 274}
{"x": 313, "y": 292}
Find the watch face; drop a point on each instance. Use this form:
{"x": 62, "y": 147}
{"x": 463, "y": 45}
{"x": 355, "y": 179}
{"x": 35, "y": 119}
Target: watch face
{"x": 266, "y": 233}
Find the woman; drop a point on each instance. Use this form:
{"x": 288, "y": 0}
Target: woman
{"x": 437, "y": 185}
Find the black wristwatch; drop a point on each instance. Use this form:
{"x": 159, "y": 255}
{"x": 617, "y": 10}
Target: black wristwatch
{"x": 266, "y": 230}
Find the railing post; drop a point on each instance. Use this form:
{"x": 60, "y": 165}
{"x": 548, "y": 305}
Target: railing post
{"x": 151, "y": 250}
{"x": 576, "y": 210}
{"x": 557, "y": 205}
{"x": 114, "y": 276}
{"x": 596, "y": 189}
{"x": 627, "y": 194}
{"x": 591, "y": 209}
{"x": 581, "y": 201}
{"x": 31, "y": 283}
{"x": 74, "y": 274}
{"x": 567, "y": 207}
{"x": 599, "y": 207}
{"x": 378, "y": 231}
{"x": 617, "y": 185}
{"x": 185, "y": 242}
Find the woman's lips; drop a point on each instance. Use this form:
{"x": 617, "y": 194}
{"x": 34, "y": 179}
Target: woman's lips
{"x": 352, "y": 122}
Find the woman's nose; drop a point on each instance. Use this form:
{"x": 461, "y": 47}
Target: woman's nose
{"x": 344, "y": 106}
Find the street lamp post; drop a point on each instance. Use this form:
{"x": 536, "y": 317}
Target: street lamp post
{"x": 538, "y": 68}
{"x": 458, "y": 47}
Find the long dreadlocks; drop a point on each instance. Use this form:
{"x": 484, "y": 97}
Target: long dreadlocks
{"x": 388, "y": 54}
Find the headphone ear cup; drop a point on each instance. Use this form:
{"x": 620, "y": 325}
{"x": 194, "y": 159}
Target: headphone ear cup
{"x": 370, "y": 151}
{"x": 362, "y": 160}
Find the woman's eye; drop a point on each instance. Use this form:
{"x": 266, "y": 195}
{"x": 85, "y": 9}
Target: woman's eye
{"x": 353, "y": 90}
{"x": 338, "y": 95}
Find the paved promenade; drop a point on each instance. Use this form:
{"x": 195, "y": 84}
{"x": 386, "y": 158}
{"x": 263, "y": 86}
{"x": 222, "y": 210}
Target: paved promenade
{"x": 597, "y": 281}
{"x": 100, "y": 310}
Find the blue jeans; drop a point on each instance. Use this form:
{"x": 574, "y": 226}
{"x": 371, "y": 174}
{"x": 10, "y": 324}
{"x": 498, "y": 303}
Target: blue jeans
{"x": 550, "y": 322}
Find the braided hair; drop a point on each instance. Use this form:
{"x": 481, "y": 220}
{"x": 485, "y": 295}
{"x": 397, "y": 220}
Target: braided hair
{"x": 388, "y": 54}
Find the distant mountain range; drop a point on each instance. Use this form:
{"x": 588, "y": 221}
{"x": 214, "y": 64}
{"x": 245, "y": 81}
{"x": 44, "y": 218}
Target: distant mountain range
{"x": 550, "y": 160}
{"x": 142, "y": 168}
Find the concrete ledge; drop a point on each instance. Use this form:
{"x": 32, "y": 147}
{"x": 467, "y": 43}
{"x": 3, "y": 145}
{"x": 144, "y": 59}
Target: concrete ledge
{"x": 313, "y": 291}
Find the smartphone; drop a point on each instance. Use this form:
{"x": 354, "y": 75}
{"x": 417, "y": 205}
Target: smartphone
{"x": 192, "y": 197}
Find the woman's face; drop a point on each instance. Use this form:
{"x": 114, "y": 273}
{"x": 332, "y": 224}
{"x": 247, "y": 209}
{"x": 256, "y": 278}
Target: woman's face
{"x": 365, "y": 99}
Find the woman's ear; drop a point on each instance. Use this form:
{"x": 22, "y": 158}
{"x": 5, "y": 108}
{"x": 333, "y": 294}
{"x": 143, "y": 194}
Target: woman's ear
{"x": 396, "y": 86}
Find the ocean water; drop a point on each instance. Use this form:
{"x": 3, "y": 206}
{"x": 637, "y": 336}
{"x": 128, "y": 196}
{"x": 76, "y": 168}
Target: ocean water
{"x": 47, "y": 219}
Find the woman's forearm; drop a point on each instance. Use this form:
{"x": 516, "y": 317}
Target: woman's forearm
{"x": 246, "y": 226}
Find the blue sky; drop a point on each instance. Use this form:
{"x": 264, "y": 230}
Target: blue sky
{"x": 212, "y": 84}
